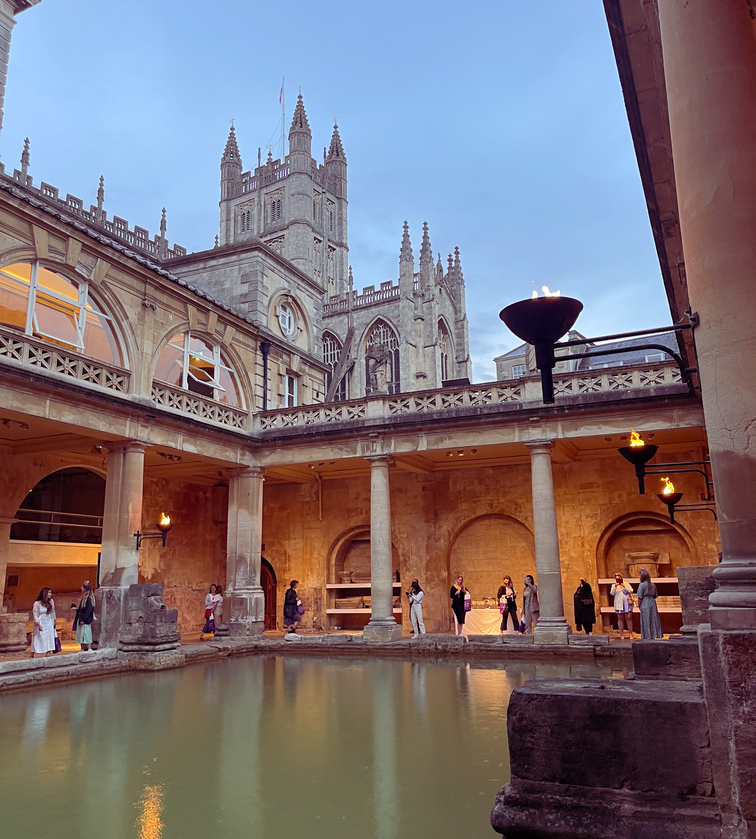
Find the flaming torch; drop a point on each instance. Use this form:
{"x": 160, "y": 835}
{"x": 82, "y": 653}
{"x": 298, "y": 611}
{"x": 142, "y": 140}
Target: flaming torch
{"x": 163, "y": 526}
{"x": 638, "y": 453}
{"x": 669, "y": 497}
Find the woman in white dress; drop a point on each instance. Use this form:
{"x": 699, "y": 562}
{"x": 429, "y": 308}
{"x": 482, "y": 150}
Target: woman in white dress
{"x": 43, "y": 615}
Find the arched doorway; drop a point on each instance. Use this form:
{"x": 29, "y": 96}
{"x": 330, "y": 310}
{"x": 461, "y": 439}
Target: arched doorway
{"x": 270, "y": 591}
{"x": 56, "y": 538}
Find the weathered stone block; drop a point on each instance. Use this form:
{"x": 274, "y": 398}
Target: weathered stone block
{"x": 695, "y": 584}
{"x": 675, "y": 659}
{"x": 147, "y": 625}
{"x": 13, "y": 632}
{"x": 162, "y": 660}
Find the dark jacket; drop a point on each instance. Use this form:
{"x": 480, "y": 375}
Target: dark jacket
{"x": 84, "y": 614}
{"x": 458, "y": 603}
{"x": 290, "y": 604}
{"x": 585, "y": 606}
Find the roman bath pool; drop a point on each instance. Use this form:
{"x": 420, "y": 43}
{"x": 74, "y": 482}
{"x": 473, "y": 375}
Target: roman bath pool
{"x": 272, "y": 747}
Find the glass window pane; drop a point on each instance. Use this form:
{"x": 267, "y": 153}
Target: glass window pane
{"x": 58, "y": 285}
{"x": 14, "y": 300}
{"x": 19, "y": 271}
{"x": 99, "y": 340}
{"x": 230, "y": 393}
{"x": 170, "y": 365}
{"x": 56, "y": 319}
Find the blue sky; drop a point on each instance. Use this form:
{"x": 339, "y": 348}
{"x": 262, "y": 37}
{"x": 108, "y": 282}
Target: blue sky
{"x": 501, "y": 124}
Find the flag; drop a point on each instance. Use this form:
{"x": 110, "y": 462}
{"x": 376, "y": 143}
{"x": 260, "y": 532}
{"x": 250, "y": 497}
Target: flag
{"x": 280, "y": 93}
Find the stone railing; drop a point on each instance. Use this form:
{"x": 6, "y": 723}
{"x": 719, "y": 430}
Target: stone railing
{"x": 508, "y": 394}
{"x": 263, "y": 176}
{"x": 369, "y": 296}
{"x": 197, "y": 406}
{"x": 118, "y": 228}
{"x": 48, "y": 358}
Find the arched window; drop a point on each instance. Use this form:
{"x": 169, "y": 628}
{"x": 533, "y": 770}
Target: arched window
{"x": 66, "y": 506}
{"x": 444, "y": 343}
{"x": 51, "y": 307}
{"x": 196, "y": 364}
{"x": 382, "y": 360}
{"x": 331, "y": 353}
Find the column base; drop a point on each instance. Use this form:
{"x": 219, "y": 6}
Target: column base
{"x": 247, "y": 612}
{"x": 13, "y": 632}
{"x": 551, "y": 631}
{"x": 382, "y": 630}
{"x": 109, "y": 610}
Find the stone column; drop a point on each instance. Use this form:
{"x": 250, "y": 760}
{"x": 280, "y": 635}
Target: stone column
{"x": 244, "y": 602}
{"x": 5, "y": 528}
{"x": 382, "y": 625}
{"x": 119, "y": 560}
{"x": 710, "y": 74}
{"x": 551, "y": 627}
{"x": 12, "y": 625}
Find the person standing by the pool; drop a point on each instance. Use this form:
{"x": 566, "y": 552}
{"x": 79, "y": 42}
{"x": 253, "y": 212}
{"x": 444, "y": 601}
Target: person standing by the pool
{"x": 43, "y": 631}
{"x": 218, "y": 607}
{"x": 650, "y": 621}
{"x": 415, "y": 596}
{"x": 622, "y": 593}
{"x": 291, "y": 615}
{"x": 585, "y": 607}
{"x": 531, "y": 608}
{"x": 506, "y": 590}
{"x": 84, "y": 616}
{"x": 209, "y": 606}
{"x": 457, "y": 594}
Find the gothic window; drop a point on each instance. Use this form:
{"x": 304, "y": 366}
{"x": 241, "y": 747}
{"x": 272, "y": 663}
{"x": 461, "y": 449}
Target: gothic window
{"x": 275, "y": 208}
{"x": 196, "y": 364}
{"x": 382, "y": 360}
{"x": 331, "y": 267}
{"x": 331, "y": 215}
{"x": 53, "y": 308}
{"x": 331, "y": 354}
{"x": 245, "y": 220}
{"x": 444, "y": 343}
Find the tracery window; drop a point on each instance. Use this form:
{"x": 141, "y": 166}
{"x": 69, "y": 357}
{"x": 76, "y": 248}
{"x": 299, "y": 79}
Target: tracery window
{"x": 382, "y": 360}
{"x": 245, "y": 220}
{"x": 51, "y": 307}
{"x": 331, "y": 353}
{"x": 275, "y": 208}
{"x": 194, "y": 363}
{"x": 444, "y": 343}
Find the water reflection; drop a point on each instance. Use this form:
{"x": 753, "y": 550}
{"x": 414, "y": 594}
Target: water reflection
{"x": 265, "y": 747}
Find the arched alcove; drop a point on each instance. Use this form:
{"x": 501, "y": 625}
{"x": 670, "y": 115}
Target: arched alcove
{"x": 487, "y": 547}
{"x": 269, "y": 586}
{"x": 55, "y": 540}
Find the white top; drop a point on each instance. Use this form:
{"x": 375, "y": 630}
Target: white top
{"x": 416, "y": 599}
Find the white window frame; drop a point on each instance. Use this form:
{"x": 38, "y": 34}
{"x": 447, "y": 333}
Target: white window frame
{"x": 290, "y": 390}
{"x": 518, "y": 371}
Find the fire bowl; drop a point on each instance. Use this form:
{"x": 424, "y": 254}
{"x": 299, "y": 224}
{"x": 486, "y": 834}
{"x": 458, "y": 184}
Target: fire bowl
{"x": 638, "y": 455}
{"x": 671, "y": 499}
{"x": 541, "y": 319}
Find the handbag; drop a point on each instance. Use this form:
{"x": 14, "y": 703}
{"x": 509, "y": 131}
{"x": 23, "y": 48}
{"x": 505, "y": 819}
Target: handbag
{"x": 58, "y": 646}
{"x": 522, "y": 626}
{"x": 300, "y": 607}
{"x": 503, "y": 606}
{"x": 468, "y": 601}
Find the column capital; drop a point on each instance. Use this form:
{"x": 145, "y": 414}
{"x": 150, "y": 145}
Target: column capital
{"x": 540, "y": 446}
{"x": 379, "y": 459}
{"x": 126, "y": 446}
{"x": 247, "y": 472}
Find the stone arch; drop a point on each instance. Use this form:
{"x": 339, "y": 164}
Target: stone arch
{"x": 381, "y": 328}
{"x": 353, "y": 546}
{"x": 446, "y": 350}
{"x": 302, "y": 333}
{"x": 230, "y": 354}
{"x": 488, "y": 546}
{"x": 644, "y": 538}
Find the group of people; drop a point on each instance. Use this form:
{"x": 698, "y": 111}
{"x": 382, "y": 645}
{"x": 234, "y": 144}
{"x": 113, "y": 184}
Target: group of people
{"x": 45, "y": 640}
{"x": 213, "y": 610}
{"x": 461, "y": 603}
{"x": 624, "y": 600}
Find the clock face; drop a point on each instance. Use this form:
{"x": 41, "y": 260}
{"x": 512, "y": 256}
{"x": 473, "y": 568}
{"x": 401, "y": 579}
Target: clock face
{"x": 286, "y": 320}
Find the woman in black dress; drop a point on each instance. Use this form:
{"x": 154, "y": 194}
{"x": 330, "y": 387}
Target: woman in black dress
{"x": 506, "y": 590}
{"x": 585, "y": 607}
{"x": 291, "y": 616}
{"x": 457, "y": 594}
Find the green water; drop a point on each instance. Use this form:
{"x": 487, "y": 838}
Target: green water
{"x": 281, "y": 748}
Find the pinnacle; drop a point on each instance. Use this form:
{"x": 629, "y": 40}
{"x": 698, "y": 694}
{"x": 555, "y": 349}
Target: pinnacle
{"x": 405, "y": 254}
{"x": 426, "y": 252}
{"x": 299, "y": 121}
{"x": 231, "y": 152}
{"x": 337, "y": 149}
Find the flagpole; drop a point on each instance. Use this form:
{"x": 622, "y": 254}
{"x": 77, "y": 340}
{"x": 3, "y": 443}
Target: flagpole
{"x": 283, "y": 119}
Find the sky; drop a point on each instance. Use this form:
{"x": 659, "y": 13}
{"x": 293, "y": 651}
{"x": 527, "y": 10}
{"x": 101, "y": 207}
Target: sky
{"x": 500, "y": 123}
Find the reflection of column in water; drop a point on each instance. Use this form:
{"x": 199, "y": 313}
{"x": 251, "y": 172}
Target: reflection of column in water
{"x": 552, "y": 670}
{"x": 237, "y": 770}
{"x": 464, "y": 700}
{"x": 385, "y": 797}
{"x": 150, "y": 817}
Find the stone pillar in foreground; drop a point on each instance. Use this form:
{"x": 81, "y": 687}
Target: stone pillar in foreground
{"x": 119, "y": 561}
{"x": 552, "y": 626}
{"x": 710, "y": 74}
{"x": 244, "y": 599}
{"x": 382, "y": 625}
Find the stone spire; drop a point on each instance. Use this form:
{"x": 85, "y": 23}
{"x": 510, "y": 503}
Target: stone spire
{"x": 162, "y": 242}
{"x": 231, "y": 152}
{"x": 405, "y": 254}
{"x": 336, "y": 149}
{"x": 163, "y": 224}
{"x": 25, "y": 160}
{"x": 299, "y": 121}
{"x": 426, "y": 252}
{"x": 458, "y": 268}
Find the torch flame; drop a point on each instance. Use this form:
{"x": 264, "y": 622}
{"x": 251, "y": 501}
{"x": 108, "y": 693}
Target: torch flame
{"x": 636, "y": 441}
{"x": 669, "y": 487}
{"x": 546, "y": 293}
{"x": 165, "y": 520}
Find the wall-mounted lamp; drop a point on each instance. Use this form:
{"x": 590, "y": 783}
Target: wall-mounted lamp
{"x": 163, "y": 526}
{"x": 638, "y": 453}
{"x": 669, "y": 497}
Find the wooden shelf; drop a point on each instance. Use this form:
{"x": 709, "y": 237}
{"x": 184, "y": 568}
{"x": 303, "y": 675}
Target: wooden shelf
{"x": 355, "y": 585}
{"x": 396, "y": 611}
{"x": 608, "y": 581}
{"x": 670, "y": 610}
